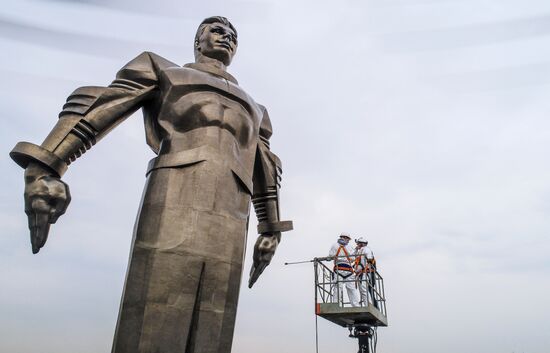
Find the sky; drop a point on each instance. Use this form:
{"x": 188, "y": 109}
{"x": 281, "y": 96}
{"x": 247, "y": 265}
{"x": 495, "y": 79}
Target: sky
{"x": 419, "y": 124}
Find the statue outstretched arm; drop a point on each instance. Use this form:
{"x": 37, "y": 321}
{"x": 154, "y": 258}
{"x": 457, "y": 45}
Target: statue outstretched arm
{"x": 87, "y": 116}
{"x": 265, "y": 198}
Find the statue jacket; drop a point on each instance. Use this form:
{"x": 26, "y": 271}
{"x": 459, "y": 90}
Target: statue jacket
{"x": 192, "y": 114}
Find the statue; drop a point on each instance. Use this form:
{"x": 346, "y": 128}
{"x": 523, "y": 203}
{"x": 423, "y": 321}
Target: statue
{"x": 212, "y": 142}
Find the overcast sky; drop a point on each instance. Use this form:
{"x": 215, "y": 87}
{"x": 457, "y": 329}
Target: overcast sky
{"x": 420, "y": 124}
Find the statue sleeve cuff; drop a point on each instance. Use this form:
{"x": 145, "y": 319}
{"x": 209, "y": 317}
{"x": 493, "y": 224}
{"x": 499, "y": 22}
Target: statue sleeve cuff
{"x": 25, "y": 152}
{"x": 282, "y": 226}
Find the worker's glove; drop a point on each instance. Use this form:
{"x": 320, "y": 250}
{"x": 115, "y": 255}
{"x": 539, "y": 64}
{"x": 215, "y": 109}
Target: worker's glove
{"x": 264, "y": 249}
{"x": 46, "y": 198}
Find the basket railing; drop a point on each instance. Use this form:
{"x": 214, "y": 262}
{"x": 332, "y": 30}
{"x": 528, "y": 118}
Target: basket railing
{"x": 329, "y": 286}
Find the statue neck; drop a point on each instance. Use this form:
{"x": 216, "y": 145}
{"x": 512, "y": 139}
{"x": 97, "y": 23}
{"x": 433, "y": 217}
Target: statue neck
{"x": 205, "y": 60}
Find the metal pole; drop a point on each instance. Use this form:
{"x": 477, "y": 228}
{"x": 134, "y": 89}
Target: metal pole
{"x": 316, "y": 273}
{"x": 316, "y": 335}
{"x": 363, "y": 335}
{"x": 363, "y": 343}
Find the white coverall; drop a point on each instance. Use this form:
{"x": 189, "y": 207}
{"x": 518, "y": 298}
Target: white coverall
{"x": 363, "y": 255}
{"x": 344, "y": 274}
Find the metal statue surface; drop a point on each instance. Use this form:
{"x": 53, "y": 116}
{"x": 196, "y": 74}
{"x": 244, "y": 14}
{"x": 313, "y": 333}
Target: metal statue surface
{"x": 212, "y": 142}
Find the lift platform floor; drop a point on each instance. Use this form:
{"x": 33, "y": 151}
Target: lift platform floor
{"x": 346, "y": 316}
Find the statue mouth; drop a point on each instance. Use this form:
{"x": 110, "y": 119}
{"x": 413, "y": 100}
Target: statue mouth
{"x": 225, "y": 45}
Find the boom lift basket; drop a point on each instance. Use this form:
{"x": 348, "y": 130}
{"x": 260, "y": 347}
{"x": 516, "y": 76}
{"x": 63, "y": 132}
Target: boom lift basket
{"x": 333, "y": 307}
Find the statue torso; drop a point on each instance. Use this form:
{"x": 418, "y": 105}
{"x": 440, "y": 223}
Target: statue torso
{"x": 202, "y": 110}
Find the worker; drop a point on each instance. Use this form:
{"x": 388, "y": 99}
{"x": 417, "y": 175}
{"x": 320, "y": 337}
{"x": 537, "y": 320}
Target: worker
{"x": 365, "y": 268}
{"x": 344, "y": 271}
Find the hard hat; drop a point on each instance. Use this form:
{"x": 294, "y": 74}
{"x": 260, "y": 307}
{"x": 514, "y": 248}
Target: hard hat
{"x": 345, "y": 235}
{"x": 361, "y": 240}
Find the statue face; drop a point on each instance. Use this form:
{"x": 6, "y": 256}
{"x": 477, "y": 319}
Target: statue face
{"x": 218, "y": 41}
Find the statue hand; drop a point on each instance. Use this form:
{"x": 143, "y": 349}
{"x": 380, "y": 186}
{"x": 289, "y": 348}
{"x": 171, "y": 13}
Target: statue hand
{"x": 46, "y": 198}
{"x": 264, "y": 249}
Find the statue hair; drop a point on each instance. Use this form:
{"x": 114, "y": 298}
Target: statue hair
{"x": 210, "y": 20}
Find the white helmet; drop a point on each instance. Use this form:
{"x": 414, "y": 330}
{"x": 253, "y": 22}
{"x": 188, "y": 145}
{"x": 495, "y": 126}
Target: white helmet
{"x": 361, "y": 240}
{"x": 345, "y": 235}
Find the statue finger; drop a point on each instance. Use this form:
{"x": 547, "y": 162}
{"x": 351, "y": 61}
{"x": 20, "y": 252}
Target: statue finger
{"x": 39, "y": 228}
{"x": 260, "y": 269}
{"x": 37, "y": 204}
{"x": 252, "y": 278}
{"x": 255, "y": 273}
{"x": 267, "y": 256}
{"x": 38, "y": 213}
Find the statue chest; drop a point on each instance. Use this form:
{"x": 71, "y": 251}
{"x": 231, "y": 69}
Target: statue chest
{"x": 193, "y": 99}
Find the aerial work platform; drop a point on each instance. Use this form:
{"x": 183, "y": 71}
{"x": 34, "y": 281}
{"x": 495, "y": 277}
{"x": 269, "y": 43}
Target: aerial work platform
{"x": 365, "y": 314}
{"x": 362, "y": 317}
{"x": 330, "y": 303}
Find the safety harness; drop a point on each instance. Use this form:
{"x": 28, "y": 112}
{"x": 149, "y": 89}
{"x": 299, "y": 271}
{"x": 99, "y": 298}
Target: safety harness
{"x": 346, "y": 267}
{"x": 360, "y": 269}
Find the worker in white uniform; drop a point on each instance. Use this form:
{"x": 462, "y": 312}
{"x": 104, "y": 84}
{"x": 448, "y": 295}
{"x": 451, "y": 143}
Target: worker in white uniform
{"x": 344, "y": 273}
{"x": 364, "y": 270}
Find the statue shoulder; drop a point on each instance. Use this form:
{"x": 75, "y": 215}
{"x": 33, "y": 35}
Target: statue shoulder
{"x": 159, "y": 62}
{"x": 145, "y": 67}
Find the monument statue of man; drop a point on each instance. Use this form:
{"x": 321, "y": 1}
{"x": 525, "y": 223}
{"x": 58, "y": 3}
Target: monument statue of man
{"x": 212, "y": 142}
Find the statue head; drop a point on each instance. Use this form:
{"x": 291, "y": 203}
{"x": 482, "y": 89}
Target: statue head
{"x": 216, "y": 38}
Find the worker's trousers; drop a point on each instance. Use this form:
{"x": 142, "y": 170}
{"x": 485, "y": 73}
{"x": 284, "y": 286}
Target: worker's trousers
{"x": 363, "y": 284}
{"x": 344, "y": 279}
{"x": 366, "y": 289}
